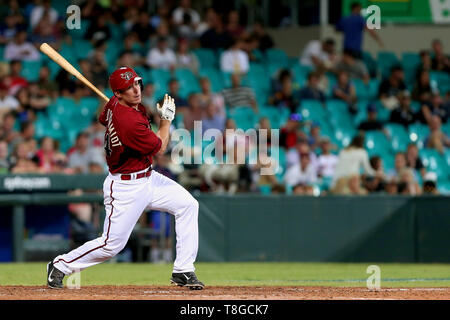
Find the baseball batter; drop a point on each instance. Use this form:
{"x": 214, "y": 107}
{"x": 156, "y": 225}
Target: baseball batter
{"x": 132, "y": 186}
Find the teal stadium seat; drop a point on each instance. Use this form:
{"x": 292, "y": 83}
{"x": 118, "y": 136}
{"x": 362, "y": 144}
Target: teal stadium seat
{"x": 386, "y": 60}
{"x": 312, "y": 110}
{"x": 383, "y": 114}
{"x": 388, "y": 161}
{"x": 435, "y": 162}
{"x": 332, "y": 81}
{"x": 160, "y": 79}
{"x": 410, "y": 63}
{"x": 272, "y": 113}
{"x": 143, "y": 72}
{"x": 442, "y": 79}
{"x": 366, "y": 92}
{"x": 82, "y": 48}
{"x": 398, "y": 136}
{"x": 444, "y": 187}
{"x": 244, "y": 116}
{"x": 30, "y": 70}
{"x": 188, "y": 82}
{"x": 257, "y": 77}
{"x": 277, "y": 57}
{"x": 418, "y": 133}
{"x": 447, "y": 156}
{"x": 300, "y": 74}
{"x": 62, "y": 109}
{"x": 215, "y": 78}
{"x": 207, "y": 58}
{"x": 376, "y": 143}
{"x": 370, "y": 63}
{"x": 68, "y": 52}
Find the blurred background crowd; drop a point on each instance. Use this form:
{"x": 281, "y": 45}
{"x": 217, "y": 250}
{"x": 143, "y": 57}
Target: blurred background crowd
{"x": 349, "y": 123}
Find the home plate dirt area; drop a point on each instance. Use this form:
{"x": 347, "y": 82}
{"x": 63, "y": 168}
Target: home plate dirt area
{"x": 220, "y": 293}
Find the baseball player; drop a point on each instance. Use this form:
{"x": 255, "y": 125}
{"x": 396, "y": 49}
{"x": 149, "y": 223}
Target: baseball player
{"x": 132, "y": 186}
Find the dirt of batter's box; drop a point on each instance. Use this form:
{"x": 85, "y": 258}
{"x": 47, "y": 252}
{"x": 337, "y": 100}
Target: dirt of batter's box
{"x": 219, "y": 293}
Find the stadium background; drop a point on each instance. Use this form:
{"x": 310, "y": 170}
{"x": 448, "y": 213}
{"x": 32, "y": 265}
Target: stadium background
{"x": 55, "y": 206}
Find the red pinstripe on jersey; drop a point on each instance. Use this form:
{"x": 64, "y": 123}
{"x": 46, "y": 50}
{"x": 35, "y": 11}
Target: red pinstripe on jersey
{"x": 107, "y": 233}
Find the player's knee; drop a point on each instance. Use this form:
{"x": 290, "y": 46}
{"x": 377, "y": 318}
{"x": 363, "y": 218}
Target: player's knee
{"x": 113, "y": 248}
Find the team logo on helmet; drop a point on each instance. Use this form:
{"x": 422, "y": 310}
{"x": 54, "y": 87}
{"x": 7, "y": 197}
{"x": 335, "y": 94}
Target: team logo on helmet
{"x": 127, "y": 75}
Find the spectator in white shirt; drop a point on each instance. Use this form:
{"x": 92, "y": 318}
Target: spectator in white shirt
{"x": 326, "y": 161}
{"x": 235, "y": 60}
{"x": 318, "y": 54}
{"x": 161, "y": 57}
{"x": 7, "y": 102}
{"x": 301, "y": 173}
{"x": 183, "y": 9}
{"x": 20, "y": 49}
{"x": 38, "y": 12}
{"x": 351, "y": 160}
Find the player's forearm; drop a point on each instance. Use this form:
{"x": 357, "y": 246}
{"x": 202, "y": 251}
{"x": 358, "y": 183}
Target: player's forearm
{"x": 164, "y": 134}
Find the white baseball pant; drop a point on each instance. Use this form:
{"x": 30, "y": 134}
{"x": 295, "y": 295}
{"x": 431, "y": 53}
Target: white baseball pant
{"x": 125, "y": 200}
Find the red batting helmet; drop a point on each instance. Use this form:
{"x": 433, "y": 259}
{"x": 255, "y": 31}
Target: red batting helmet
{"x": 123, "y": 78}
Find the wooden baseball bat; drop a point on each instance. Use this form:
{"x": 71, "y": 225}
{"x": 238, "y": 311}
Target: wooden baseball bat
{"x": 55, "y": 56}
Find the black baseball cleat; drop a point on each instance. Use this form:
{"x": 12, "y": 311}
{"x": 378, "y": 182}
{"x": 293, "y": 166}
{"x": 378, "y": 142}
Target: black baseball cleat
{"x": 54, "y": 277}
{"x": 187, "y": 279}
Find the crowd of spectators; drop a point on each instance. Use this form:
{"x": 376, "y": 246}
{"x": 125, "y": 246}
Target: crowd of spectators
{"x": 165, "y": 39}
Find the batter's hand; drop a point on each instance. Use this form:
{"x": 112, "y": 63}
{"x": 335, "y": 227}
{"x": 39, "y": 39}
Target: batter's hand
{"x": 167, "y": 110}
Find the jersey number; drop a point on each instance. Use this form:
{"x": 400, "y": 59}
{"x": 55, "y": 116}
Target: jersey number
{"x": 107, "y": 145}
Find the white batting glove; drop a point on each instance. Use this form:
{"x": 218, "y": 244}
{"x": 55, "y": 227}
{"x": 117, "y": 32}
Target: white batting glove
{"x": 167, "y": 110}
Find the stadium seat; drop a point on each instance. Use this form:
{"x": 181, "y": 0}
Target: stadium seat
{"x": 370, "y": 63}
{"x": 398, "y": 136}
{"x": 444, "y": 187}
{"x": 343, "y": 135}
{"x": 362, "y": 90}
{"x": 40, "y": 126}
{"x": 92, "y": 103}
{"x": 272, "y": 113}
{"x": 383, "y": 114}
{"x": 215, "y": 78}
{"x": 160, "y": 79}
{"x": 257, "y": 77}
{"x": 300, "y": 73}
{"x": 410, "y": 63}
{"x": 207, "y": 58}
{"x": 277, "y": 57}
{"x": 386, "y": 60}
{"x": 442, "y": 79}
{"x": 376, "y": 143}
{"x": 332, "y": 80}
{"x": 418, "y": 133}
{"x": 447, "y": 156}
{"x": 143, "y": 72}
{"x": 388, "y": 161}
{"x": 244, "y": 116}
{"x": 188, "y": 82}
{"x": 312, "y": 110}
{"x": 30, "y": 70}
{"x": 435, "y": 162}
{"x": 82, "y": 48}
{"x": 68, "y": 52}
{"x": 61, "y": 109}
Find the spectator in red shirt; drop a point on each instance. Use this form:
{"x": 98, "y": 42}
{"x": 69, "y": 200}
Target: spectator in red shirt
{"x": 288, "y": 134}
{"x": 14, "y": 81}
